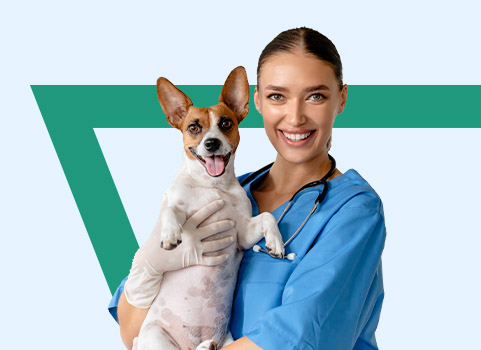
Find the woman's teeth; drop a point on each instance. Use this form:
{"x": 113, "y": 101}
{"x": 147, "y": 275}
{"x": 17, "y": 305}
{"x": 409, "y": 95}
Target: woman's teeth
{"x": 296, "y": 137}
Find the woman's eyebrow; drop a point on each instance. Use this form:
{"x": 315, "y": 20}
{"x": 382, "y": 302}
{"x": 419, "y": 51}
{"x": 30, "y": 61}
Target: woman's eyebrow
{"x": 317, "y": 87}
{"x": 276, "y": 88}
{"x": 309, "y": 89}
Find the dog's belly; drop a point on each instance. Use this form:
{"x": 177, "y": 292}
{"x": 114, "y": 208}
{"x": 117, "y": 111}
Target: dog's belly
{"x": 194, "y": 304}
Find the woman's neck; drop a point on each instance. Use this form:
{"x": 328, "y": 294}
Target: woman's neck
{"x": 286, "y": 177}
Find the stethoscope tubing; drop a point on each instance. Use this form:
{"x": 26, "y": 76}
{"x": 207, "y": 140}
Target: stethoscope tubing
{"x": 319, "y": 199}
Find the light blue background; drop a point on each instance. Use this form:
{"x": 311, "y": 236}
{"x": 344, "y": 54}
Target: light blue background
{"x": 52, "y": 290}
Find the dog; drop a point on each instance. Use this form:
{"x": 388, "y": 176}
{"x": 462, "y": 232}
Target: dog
{"x": 193, "y": 307}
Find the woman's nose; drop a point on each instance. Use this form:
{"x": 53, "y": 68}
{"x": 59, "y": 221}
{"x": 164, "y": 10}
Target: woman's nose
{"x": 295, "y": 113}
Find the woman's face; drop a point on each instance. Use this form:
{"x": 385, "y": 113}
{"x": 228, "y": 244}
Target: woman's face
{"x": 299, "y": 98}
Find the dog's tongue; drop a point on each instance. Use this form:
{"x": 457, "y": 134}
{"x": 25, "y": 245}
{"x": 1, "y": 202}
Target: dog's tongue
{"x": 215, "y": 165}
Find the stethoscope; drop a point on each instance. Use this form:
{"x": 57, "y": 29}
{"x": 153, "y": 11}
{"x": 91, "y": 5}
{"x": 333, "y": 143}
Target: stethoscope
{"x": 323, "y": 181}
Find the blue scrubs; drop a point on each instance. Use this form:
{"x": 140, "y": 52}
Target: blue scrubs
{"x": 330, "y": 295}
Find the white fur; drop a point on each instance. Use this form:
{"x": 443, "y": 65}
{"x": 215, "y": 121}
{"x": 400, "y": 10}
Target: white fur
{"x": 216, "y": 133}
{"x": 194, "y": 304}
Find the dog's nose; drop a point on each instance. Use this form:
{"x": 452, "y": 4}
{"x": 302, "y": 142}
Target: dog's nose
{"x": 212, "y": 145}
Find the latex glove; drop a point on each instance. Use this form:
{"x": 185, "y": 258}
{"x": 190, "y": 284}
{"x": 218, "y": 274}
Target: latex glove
{"x": 151, "y": 261}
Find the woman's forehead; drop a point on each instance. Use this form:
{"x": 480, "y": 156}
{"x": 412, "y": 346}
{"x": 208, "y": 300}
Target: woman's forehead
{"x": 286, "y": 68}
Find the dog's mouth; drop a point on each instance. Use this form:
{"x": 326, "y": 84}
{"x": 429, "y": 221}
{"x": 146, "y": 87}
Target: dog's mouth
{"x": 215, "y": 164}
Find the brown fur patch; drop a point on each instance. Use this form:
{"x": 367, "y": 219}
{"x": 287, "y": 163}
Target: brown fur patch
{"x": 200, "y": 116}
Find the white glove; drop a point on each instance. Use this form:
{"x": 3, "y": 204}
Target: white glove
{"x": 151, "y": 261}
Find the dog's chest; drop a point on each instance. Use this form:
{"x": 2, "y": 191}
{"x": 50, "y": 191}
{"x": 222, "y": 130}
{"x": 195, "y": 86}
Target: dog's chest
{"x": 190, "y": 199}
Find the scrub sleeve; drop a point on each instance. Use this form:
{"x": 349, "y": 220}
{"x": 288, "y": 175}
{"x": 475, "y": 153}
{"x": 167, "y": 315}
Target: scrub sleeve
{"x": 115, "y": 299}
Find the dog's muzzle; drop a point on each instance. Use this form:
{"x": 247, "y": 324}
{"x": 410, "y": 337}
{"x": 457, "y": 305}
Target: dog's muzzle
{"x": 214, "y": 164}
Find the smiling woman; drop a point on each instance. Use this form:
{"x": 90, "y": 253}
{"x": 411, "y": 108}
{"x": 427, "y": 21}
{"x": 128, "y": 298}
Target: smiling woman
{"x": 329, "y": 296}
{"x": 299, "y": 94}
{"x": 298, "y": 97}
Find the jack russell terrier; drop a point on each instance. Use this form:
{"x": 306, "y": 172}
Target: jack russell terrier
{"x": 193, "y": 307}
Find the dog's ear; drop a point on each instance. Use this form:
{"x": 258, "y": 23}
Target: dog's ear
{"x": 235, "y": 93}
{"x": 174, "y": 102}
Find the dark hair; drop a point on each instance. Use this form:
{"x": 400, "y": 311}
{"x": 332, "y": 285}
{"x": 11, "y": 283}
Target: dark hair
{"x": 307, "y": 40}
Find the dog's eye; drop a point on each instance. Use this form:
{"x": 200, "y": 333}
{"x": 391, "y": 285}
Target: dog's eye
{"x": 194, "y": 128}
{"x": 225, "y": 124}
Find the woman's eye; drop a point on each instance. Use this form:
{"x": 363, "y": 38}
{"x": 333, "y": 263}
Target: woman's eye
{"x": 193, "y": 128}
{"x": 275, "y": 97}
{"x": 317, "y": 97}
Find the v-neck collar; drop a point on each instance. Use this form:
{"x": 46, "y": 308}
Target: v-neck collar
{"x": 277, "y": 212}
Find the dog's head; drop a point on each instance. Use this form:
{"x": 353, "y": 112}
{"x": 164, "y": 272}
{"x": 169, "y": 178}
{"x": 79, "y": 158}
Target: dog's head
{"x": 211, "y": 134}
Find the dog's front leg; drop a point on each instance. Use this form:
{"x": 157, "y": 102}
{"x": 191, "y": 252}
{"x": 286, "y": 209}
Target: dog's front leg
{"x": 265, "y": 225}
{"x": 172, "y": 218}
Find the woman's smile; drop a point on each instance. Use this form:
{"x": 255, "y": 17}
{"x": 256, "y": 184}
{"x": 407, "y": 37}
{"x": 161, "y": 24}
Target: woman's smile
{"x": 296, "y": 138}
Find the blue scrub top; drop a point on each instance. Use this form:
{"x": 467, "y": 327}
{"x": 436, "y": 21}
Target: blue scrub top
{"x": 330, "y": 295}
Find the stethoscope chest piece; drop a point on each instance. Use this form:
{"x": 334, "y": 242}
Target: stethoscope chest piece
{"x": 257, "y": 248}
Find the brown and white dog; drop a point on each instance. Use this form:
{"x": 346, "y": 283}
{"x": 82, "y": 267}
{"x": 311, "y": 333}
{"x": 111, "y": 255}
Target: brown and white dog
{"x": 194, "y": 304}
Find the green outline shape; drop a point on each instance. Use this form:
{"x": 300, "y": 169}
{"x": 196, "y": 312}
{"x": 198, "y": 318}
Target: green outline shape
{"x": 71, "y": 112}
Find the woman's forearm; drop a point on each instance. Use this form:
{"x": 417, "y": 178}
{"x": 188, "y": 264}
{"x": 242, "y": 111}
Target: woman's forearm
{"x": 242, "y": 344}
{"x": 130, "y": 320}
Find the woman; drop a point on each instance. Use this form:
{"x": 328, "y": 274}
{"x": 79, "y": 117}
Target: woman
{"x": 330, "y": 295}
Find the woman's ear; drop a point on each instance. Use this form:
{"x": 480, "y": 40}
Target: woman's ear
{"x": 256, "y": 100}
{"x": 343, "y": 98}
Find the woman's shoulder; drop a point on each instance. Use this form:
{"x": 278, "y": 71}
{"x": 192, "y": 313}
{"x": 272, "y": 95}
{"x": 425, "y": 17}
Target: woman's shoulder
{"x": 353, "y": 191}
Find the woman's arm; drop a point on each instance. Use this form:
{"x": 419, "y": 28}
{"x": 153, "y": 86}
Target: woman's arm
{"x": 130, "y": 321}
{"x": 150, "y": 262}
{"x": 242, "y": 344}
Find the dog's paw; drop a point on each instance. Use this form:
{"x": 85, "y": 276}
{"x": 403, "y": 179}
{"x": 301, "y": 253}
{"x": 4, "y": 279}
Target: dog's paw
{"x": 207, "y": 345}
{"x": 170, "y": 237}
{"x": 274, "y": 243}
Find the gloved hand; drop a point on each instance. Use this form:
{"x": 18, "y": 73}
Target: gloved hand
{"x": 151, "y": 261}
